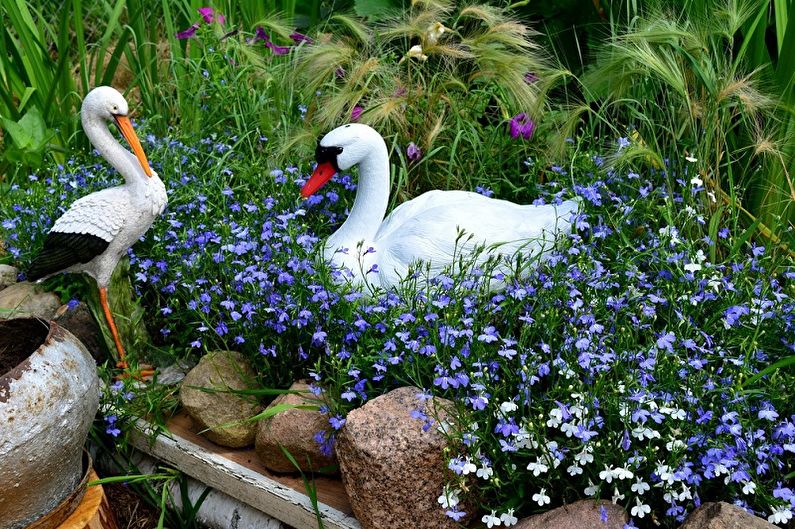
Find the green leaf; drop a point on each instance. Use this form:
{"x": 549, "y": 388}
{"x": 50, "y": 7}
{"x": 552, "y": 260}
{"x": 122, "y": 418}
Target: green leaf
{"x": 784, "y": 362}
{"x": 34, "y": 125}
{"x": 19, "y": 134}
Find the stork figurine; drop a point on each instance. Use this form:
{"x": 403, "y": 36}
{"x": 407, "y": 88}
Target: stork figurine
{"x": 98, "y": 229}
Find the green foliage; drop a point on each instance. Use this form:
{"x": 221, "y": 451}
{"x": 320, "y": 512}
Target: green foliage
{"x": 678, "y": 82}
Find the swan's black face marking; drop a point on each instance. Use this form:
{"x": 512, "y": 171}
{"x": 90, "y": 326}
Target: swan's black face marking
{"x": 328, "y": 154}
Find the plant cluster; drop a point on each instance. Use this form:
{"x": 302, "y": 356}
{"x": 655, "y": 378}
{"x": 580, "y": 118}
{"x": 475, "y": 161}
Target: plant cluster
{"x": 631, "y": 364}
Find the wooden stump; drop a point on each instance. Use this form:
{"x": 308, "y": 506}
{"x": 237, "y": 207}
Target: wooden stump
{"x": 94, "y": 512}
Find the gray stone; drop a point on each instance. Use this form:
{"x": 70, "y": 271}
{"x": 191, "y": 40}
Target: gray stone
{"x": 25, "y": 300}
{"x": 294, "y": 429}
{"x": 392, "y": 469}
{"x": 584, "y": 514}
{"x": 174, "y": 374}
{"x": 222, "y": 414}
{"x": 8, "y": 276}
{"x": 722, "y": 515}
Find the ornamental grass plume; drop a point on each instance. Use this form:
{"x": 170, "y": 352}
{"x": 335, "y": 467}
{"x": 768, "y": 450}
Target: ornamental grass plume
{"x": 425, "y": 75}
{"x": 686, "y": 75}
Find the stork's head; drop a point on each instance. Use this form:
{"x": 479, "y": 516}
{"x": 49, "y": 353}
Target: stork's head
{"x": 341, "y": 149}
{"x": 106, "y": 103}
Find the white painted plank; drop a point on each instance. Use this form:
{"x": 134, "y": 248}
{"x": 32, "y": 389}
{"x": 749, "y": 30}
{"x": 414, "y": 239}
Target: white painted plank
{"x": 252, "y": 488}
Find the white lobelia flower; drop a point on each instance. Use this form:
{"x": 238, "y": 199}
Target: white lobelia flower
{"x": 508, "y": 407}
{"x": 555, "y": 418}
{"x": 617, "y": 496}
{"x": 508, "y": 519}
{"x": 585, "y": 456}
{"x": 692, "y": 267}
{"x": 541, "y": 498}
{"x": 538, "y": 468}
{"x": 686, "y": 494}
{"x": 623, "y": 473}
{"x": 781, "y": 515}
{"x": 640, "y": 486}
{"x": 679, "y": 414}
{"x": 416, "y": 53}
{"x": 676, "y": 444}
{"x": 469, "y": 467}
{"x": 491, "y": 520}
{"x": 696, "y": 181}
{"x": 607, "y": 474}
{"x": 449, "y": 498}
{"x": 640, "y": 509}
{"x": 485, "y": 472}
{"x": 591, "y": 489}
{"x": 574, "y": 469}
{"x": 434, "y": 33}
{"x": 749, "y": 487}
{"x": 569, "y": 429}
{"x": 691, "y": 159}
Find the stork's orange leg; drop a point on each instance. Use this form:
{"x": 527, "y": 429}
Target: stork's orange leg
{"x": 122, "y": 363}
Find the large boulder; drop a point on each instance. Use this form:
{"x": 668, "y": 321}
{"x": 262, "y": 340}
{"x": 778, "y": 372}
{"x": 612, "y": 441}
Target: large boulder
{"x": 722, "y": 515}
{"x": 8, "y": 276}
{"x": 393, "y": 468}
{"x": 584, "y": 514}
{"x": 27, "y": 300}
{"x": 294, "y": 429}
{"x": 221, "y": 413}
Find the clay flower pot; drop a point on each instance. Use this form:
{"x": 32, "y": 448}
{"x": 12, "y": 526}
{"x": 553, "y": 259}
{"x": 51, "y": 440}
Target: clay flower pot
{"x": 49, "y": 393}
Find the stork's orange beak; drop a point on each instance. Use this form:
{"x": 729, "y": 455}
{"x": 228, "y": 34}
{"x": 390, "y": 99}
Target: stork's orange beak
{"x": 126, "y": 128}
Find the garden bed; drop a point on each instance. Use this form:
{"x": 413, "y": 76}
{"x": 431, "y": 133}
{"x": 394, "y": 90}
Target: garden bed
{"x": 239, "y": 474}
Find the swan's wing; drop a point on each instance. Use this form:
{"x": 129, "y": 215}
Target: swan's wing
{"x": 430, "y": 230}
{"x": 82, "y": 233}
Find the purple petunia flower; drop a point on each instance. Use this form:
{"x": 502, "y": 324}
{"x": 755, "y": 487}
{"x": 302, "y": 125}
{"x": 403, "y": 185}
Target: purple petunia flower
{"x": 260, "y": 35}
{"x": 188, "y": 33}
{"x": 356, "y": 112}
{"x": 300, "y": 37}
{"x": 413, "y": 152}
{"x": 530, "y": 78}
{"x": 522, "y": 125}
{"x": 208, "y": 15}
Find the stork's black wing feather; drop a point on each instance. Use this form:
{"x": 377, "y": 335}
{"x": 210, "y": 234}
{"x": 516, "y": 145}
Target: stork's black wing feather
{"x": 62, "y": 250}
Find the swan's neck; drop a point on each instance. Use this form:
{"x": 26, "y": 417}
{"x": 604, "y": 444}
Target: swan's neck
{"x": 122, "y": 160}
{"x": 369, "y": 207}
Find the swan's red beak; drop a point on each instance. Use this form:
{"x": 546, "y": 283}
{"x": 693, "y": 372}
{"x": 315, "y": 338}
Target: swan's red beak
{"x": 323, "y": 173}
{"x": 126, "y": 128}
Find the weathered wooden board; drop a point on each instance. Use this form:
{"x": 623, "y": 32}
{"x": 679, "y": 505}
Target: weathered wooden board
{"x": 240, "y": 474}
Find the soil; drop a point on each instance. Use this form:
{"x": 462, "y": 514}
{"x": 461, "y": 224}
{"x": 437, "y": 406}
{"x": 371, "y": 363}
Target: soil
{"x": 18, "y": 340}
{"x": 130, "y": 510}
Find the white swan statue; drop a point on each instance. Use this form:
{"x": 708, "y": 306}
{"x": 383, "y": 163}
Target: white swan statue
{"x": 379, "y": 251}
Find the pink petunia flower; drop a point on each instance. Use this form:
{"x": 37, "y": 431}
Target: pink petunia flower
{"x": 208, "y": 14}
